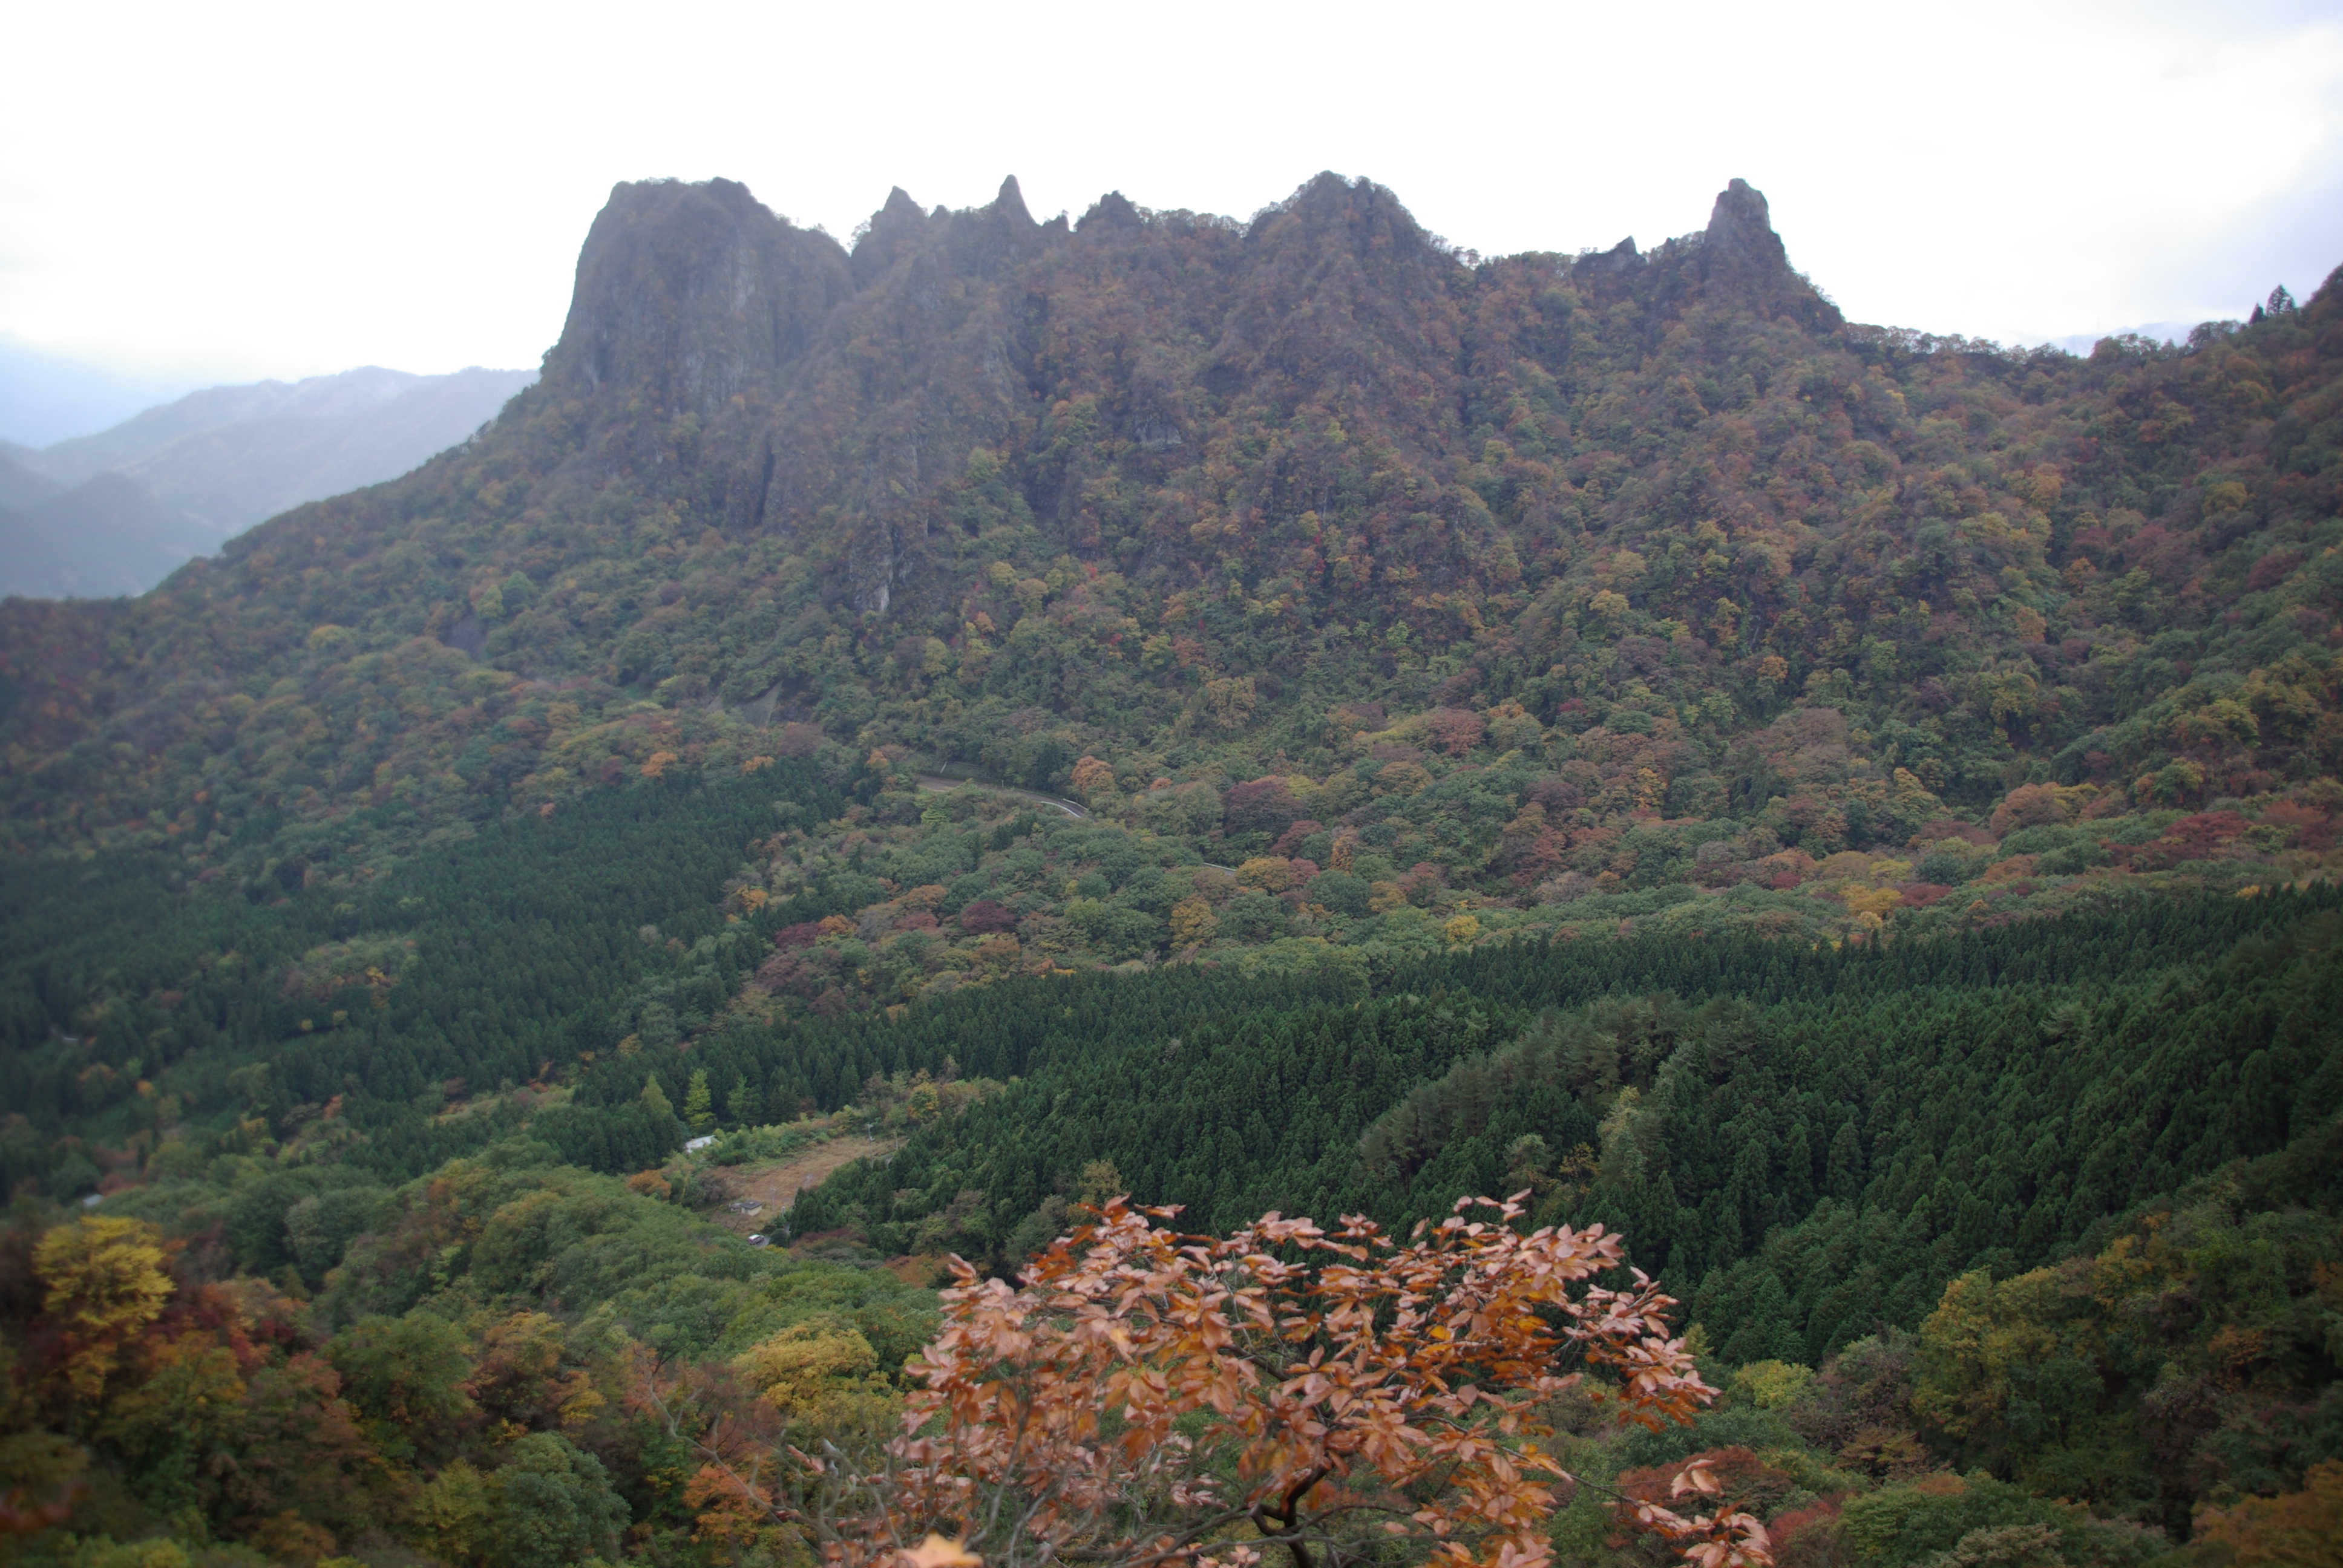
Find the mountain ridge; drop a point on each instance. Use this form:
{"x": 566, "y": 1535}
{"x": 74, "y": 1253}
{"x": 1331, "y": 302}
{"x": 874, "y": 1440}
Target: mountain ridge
{"x": 217, "y": 461}
{"x": 1654, "y": 543}
{"x": 151, "y": 430}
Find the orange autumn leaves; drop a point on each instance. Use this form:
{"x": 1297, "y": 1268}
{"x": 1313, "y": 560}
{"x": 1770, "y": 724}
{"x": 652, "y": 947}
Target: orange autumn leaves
{"x": 1148, "y": 1397}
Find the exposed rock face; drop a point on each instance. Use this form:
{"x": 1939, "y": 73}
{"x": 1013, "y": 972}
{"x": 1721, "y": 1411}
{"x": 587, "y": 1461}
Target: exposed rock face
{"x": 834, "y": 395}
{"x": 688, "y": 295}
{"x": 992, "y": 241}
{"x": 1620, "y": 258}
{"x": 895, "y": 229}
{"x": 1743, "y": 261}
{"x": 692, "y": 300}
{"x": 745, "y": 374}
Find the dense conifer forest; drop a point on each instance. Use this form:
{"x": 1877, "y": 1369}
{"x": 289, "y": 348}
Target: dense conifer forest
{"x": 517, "y": 981}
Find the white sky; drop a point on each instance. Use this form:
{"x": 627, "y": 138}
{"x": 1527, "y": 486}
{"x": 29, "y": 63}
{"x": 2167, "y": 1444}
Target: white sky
{"x": 291, "y": 189}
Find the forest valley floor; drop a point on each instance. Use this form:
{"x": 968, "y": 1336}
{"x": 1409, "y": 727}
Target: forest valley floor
{"x": 1940, "y": 1344}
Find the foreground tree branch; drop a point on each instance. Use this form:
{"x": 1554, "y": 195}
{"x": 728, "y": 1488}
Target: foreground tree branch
{"x": 1144, "y": 1398}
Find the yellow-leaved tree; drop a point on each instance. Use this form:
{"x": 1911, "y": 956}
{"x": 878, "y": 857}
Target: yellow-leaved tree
{"x": 102, "y": 1282}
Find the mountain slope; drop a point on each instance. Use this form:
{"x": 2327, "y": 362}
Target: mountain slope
{"x": 1537, "y": 582}
{"x": 1583, "y": 726}
{"x": 20, "y": 486}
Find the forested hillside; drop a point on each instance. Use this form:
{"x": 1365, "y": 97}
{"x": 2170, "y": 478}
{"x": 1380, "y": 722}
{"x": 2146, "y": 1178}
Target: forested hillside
{"x": 516, "y": 981}
{"x": 1549, "y": 590}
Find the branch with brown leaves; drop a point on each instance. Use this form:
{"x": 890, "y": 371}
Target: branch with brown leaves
{"x": 1146, "y": 1398}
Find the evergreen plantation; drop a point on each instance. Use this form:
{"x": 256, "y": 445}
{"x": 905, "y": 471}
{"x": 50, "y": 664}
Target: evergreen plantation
{"x": 1281, "y": 715}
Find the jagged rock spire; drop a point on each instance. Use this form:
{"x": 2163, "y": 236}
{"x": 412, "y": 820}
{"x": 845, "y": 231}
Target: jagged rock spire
{"x": 897, "y": 226}
{"x": 1743, "y": 262}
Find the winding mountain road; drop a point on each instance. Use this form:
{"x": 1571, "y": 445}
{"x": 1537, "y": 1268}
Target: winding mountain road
{"x": 941, "y": 785}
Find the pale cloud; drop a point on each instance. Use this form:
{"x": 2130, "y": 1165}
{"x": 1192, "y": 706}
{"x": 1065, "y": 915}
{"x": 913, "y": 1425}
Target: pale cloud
{"x": 299, "y": 188}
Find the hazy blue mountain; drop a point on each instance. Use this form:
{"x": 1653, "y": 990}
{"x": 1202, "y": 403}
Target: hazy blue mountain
{"x": 328, "y": 398}
{"x": 19, "y": 484}
{"x": 2082, "y": 343}
{"x": 230, "y": 475}
{"x": 105, "y": 537}
{"x": 214, "y": 463}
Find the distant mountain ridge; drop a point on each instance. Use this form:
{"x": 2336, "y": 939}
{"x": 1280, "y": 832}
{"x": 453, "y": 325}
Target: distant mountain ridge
{"x": 2082, "y": 343}
{"x": 106, "y": 538}
{"x": 209, "y": 466}
{"x": 48, "y": 394}
{"x": 20, "y": 485}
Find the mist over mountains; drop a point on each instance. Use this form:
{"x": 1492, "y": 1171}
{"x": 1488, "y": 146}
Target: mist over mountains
{"x": 47, "y": 395}
{"x": 115, "y": 512}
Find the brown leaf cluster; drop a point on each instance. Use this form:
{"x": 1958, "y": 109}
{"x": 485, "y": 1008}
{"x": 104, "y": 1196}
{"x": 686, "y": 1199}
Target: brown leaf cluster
{"x": 1146, "y": 1397}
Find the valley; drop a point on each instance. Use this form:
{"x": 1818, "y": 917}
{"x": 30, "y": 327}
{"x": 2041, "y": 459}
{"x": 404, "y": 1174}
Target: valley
{"x": 950, "y": 736}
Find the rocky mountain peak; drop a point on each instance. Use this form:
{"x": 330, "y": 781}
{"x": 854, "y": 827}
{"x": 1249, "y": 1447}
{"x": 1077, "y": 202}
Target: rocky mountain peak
{"x": 1357, "y": 215}
{"x": 990, "y": 242}
{"x": 900, "y": 225}
{"x": 1743, "y": 260}
{"x": 1009, "y": 203}
{"x": 1112, "y": 210}
{"x": 689, "y": 293}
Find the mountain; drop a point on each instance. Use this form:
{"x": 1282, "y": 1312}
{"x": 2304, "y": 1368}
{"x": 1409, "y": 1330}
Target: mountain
{"x": 107, "y": 537}
{"x": 1514, "y": 577}
{"x": 20, "y": 485}
{"x": 326, "y": 400}
{"x": 2164, "y": 332}
{"x": 1264, "y": 715}
{"x": 215, "y": 462}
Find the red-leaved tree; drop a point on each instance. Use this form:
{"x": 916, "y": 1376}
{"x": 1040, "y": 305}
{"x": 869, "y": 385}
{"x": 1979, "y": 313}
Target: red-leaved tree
{"x": 1145, "y": 1398}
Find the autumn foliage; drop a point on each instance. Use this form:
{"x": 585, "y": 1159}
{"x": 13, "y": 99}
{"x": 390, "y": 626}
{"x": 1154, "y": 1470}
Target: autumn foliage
{"x": 1148, "y": 1397}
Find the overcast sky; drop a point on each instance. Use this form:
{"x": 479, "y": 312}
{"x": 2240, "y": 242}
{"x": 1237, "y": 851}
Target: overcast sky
{"x": 239, "y": 190}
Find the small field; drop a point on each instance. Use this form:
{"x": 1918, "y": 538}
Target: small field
{"x": 774, "y": 1184}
